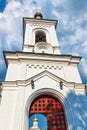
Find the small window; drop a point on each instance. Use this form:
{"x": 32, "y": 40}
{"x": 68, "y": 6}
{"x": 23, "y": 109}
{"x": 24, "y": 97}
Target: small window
{"x": 40, "y": 36}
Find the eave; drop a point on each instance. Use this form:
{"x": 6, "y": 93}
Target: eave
{"x": 44, "y": 21}
{"x": 27, "y": 56}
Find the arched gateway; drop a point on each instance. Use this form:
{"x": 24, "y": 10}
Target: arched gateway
{"x": 52, "y": 108}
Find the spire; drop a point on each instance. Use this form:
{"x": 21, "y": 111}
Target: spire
{"x": 38, "y": 14}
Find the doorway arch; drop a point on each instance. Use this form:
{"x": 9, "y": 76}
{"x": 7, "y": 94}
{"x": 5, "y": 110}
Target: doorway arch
{"x": 53, "y": 110}
{"x": 57, "y": 95}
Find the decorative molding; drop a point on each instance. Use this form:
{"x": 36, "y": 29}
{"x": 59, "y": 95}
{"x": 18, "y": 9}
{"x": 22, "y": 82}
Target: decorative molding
{"x": 37, "y": 66}
{"x": 36, "y": 22}
{"x": 45, "y": 47}
{"x": 24, "y": 83}
{"x": 40, "y": 25}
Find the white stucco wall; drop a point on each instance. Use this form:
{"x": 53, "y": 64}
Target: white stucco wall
{"x": 29, "y": 35}
{"x": 16, "y": 71}
{"x": 15, "y": 102}
{"x": 72, "y": 74}
{"x": 23, "y": 70}
{"x": 31, "y": 28}
{"x": 7, "y": 108}
{"x": 13, "y": 71}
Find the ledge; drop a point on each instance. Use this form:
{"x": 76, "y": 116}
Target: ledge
{"x": 26, "y": 56}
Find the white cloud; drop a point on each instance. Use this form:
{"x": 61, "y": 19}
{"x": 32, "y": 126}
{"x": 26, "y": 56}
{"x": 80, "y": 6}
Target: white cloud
{"x": 56, "y": 3}
{"x": 84, "y": 66}
{"x": 11, "y": 23}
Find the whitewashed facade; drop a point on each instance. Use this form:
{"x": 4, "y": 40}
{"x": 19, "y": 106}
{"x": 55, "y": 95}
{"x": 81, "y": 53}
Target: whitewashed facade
{"x": 43, "y": 63}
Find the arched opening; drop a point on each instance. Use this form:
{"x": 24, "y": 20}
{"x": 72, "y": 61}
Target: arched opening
{"x": 41, "y": 119}
{"x": 40, "y": 36}
{"x": 52, "y": 109}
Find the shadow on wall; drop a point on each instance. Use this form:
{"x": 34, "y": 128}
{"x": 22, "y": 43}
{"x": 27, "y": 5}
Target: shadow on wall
{"x": 79, "y": 111}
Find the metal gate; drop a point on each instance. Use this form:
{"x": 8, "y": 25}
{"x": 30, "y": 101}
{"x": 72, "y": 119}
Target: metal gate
{"x": 52, "y": 108}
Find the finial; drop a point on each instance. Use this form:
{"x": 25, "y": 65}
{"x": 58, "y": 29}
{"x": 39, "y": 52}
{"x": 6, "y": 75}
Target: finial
{"x": 35, "y": 119}
{"x": 38, "y": 14}
{"x": 38, "y": 9}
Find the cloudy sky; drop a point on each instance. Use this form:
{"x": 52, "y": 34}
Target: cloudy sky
{"x": 71, "y": 29}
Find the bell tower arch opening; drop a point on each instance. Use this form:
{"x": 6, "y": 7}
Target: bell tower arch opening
{"x": 40, "y": 36}
{"x": 42, "y": 41}
{"x": 52, "y": 109}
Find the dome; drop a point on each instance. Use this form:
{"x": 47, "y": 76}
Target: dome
{"x": 35, "y": 120}
{"x": 38, "y": 14}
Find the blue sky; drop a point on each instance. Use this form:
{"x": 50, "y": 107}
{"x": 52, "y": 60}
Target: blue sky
{"x": 71, "y": 29}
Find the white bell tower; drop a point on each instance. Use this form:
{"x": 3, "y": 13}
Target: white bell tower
{"x": 39, "y": 79}
{"x": 40, "y": 35}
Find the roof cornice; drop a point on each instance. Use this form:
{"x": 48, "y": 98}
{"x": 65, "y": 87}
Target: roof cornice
{"x": 43, "y": 21}
{"x": 26, "y": 56}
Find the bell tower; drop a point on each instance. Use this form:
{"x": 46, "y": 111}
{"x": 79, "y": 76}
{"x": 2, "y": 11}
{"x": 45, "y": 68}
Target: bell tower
{"x": 40, "y": 35}
{"x": 38, "y": 81}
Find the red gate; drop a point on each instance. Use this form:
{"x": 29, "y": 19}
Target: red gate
{"x": 52, "y": 108}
